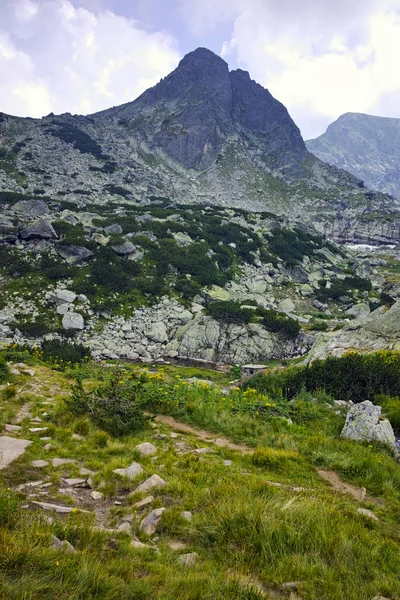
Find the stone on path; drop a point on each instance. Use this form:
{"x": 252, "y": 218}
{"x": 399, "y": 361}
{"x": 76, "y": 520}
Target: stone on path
{"x": 130, "y": 472}
{"x": 96, "y": 495}
{"x": 39, "y": 464}
{"x": 146, "y": 449}
{"x": 74, "y": 481}
{"x": 12, "y": 427}
{"x": 155, "y": 481}
{"x": 58, "y": 462}
{"x": 11, "y": 449}
{"x": 188, "y": 559}
{"x": 149, "y": 523}
{"x": 57, "y": 508}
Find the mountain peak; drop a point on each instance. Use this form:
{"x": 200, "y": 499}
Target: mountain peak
{"x": 202, "y": 55}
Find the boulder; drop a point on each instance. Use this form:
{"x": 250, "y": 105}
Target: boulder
{"x": 286, "y": 306}
{"x": 364, "y": 423}
{"x": 114, "y": 228}
{"x": 152, "y": 482}
{"x": 64, "y": 296}
{"x": 29, "y": 209}
{"x": 124, "y": 248}
{"x": 41, "y": 229}
{"x": 157, "y": 332}
{"x": 73, "y": 320}
{"x": 74, "y": 254}
{"x": 359, "y": 311}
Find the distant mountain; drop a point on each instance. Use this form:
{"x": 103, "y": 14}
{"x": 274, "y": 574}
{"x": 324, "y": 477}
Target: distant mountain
{"x": 367, "y": 146}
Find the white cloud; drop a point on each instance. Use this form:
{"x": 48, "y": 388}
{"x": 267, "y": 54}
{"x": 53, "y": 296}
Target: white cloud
{"x": 55, "y": 57}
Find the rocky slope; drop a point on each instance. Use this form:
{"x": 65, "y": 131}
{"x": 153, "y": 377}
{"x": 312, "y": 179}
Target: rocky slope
{"x": 202, "y": 135}
{"x": 190, "y": 222}
{"x": 365, "y": 145}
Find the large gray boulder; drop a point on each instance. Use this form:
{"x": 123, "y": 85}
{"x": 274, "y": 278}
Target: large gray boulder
{"x": 72, "y": 320}
{"x": 124, "y": 248}
{"x": 30, "y": 208}
{"x": 11, "y": 449}
{"x": 41, "y": 229}
{"x": 74, "y": 254}
{"x": 365, "y": 423}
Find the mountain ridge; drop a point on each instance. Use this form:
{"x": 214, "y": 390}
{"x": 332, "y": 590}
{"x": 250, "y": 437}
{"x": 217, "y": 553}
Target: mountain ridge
{"x": 366, "y": 145}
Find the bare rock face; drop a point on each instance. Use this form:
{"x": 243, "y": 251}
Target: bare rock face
{"x": 366, "y": 146}
{"x": 364, "y": 423}
{"x": 201, "y": 104}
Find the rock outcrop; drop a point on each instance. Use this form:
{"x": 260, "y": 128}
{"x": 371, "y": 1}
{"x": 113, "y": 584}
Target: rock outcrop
{"x": 364, "y": 423}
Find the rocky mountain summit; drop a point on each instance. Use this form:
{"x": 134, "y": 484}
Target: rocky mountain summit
{"x": 365, "y": 145}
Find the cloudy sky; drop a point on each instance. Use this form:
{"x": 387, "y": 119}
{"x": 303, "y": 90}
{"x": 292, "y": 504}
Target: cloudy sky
{"x": 321, "y": 58}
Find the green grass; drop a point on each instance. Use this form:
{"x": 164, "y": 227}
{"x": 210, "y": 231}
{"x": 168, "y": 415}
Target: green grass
{"x": 249, "y": 535}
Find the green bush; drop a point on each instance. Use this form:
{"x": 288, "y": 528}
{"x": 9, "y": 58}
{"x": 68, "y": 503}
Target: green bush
{"x": 319, "y": 326}
{"x": 292, "y": 245}
{"x": 4, "y": 370}
{"x": 280, "y": 323}
{"x": 229, "y": 312}
{"x": 355, "y": 377}
{"x": 391, "y": 408}
{"x": 62, "y": 352}
{"x": 116, "y": 407}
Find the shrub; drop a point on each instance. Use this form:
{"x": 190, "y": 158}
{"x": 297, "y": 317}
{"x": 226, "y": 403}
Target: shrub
{"x": 100, "y": 439}
{"x": 292, "y": 245}
{"x": 280, "y": 323}
{"x": 116, "y": 407}
{"x": 4, "y": 370}
{"x": 355, "y": 377}
{"x": 229, "y": 312}
{"x": 319, "y": 326}
{"x": 9, "y": 392}
{"x": 62, "y": 352}
{"x": 391, "y": 408}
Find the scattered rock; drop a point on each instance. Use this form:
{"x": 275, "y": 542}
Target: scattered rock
{"x": 37, "y": 429}
{"x": 124, "y": 528}
{"x": 11, "y": 449}
{"x": 176, "y": 545}
{"x": 187, "y": 515}
{"x": 96, "y": 495}
{"x": 227, "y": 463}
{"x": 364, "y": 423}
{"x": 149, "y": 523}
{"x": 189, "y": 560}
{"x": 64, "y": 296}
{"x": 155, "y": 481}
{"x": 56, "y": 507}
{"x": 12, "y": 427}
{"x": 39, "y": 464}
{"x": 146, "y": 449}
{"x": 367, "y": 513}
{"x": 131, "y": 472}
{"x": 74, "y": 481}
{"x": 135, "y": 543}
{"x": 145, "y": 502}
{"x": 58, "y": 462}
{"x": 62, "y": 545}
{"x": 124, "y": 248}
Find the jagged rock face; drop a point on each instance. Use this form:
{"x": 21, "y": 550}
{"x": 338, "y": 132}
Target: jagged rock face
{"x": 190, "y": 113}
{"x": 365, "y": 145}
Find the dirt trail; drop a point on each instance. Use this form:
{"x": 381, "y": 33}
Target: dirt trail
{"x": 205, "y": 436}
{"x": 330, "y": 477}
